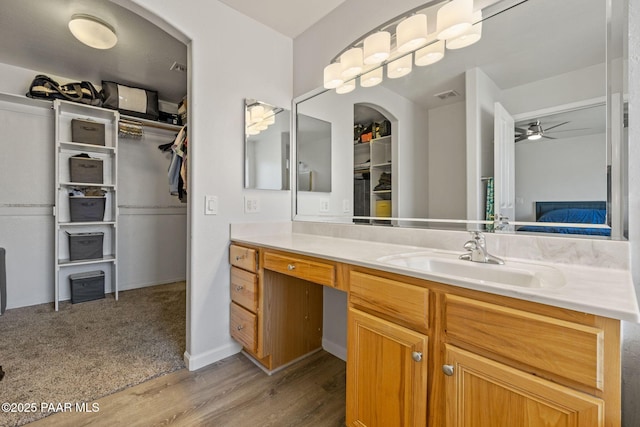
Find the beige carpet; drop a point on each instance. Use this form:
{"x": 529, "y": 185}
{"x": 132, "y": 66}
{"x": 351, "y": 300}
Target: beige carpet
{"x": 89, "y": 350}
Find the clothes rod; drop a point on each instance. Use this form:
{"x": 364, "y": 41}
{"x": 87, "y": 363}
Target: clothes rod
{"x": 151, "y": 124}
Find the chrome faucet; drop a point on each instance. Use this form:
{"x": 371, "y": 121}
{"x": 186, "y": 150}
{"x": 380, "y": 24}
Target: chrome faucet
{"x": 477, "y": 250}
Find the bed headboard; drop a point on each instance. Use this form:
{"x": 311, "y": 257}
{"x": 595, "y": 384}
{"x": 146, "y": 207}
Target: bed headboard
{"x": 544, "y": 207}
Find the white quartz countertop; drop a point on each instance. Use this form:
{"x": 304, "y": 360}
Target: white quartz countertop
{"x": 606, "y": 292}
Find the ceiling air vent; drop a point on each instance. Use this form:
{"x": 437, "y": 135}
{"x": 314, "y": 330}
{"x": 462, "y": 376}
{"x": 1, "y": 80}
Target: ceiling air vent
{"x": 176, "y": 66}
{"x": 447, "y": 94}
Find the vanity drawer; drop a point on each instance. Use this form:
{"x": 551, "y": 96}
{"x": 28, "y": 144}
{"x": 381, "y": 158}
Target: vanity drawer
{"x": 313, "y": 271}
{"x": 244, "y": 258}
{"x": 562, "y": 348}
{"x": 244, "y": 288}
{"x": 243, "y": 327}
{"x": 396, "y": 301}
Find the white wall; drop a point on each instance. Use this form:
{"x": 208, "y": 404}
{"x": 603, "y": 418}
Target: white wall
{"x": 558, "y": 170}
{"x": 482, "y": 94}
{"x": 219, "y": 35}
{"x": 447, "y": 165}
{"x": 152, "y": 224}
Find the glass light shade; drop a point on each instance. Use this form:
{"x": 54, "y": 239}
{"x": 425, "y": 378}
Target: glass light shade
{"x": 252, "y": 131}
{"x": 332, "y": 77}
{"x": 377, "y": 47}
{"x": 261, "y": 126}
{"x": 351, "y": 62}
{"x": 269, "y": 118}
{"x": 430, "y": 54}
{"x": 454, "y": 18}
{"x": 93, "y": 31}
{"x": 534, "y": 137}
{"x": 470, "y": 36}
{"x": 346, "y": 87}
{"x": 257, "y": 113}
{"x": 371, "y": 78}
{"x": 400, "y": 67}
{"x": 411, "y": 33}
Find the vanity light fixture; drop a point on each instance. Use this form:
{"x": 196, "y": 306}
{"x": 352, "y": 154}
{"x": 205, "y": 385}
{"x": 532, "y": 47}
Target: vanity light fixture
{"x": 371, "y": 78}
{"x": 410, "y": 42}
{"x": 469, "y": 37}
{"x": 377, "y": 47}
{"x": 430, "y": 54}
{"x": 411, "y": 33}
{"x": 454, "y": 18}
{"x": 400, "y": 67}
{"x": 346, "y": 87}
{"x": 92, "y": 31}
{"x": 332, "y": 76}
{"x": 351, "y": 62}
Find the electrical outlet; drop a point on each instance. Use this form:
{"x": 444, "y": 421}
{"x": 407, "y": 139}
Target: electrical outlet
{"x": 210, "y": 205}
{"x": 324, "y": 205}
{"x": 251, "y": 205}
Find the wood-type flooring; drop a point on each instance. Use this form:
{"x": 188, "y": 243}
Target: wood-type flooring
{"x": 231, "y": 392}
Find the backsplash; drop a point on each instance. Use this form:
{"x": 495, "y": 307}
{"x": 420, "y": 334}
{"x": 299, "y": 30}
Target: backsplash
{"x": 565, "y": 250}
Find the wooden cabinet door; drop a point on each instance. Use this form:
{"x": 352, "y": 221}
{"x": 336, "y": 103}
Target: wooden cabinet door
{"x": 386, "y": 386}
{"x": 485, "y": 393}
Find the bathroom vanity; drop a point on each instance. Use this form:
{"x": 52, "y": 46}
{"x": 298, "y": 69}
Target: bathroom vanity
{"x": 430, "y": 348}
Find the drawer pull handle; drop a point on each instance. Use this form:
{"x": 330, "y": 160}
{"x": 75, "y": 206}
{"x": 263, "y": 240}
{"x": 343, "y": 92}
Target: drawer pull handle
{"x": 240, "y": 327}
{"x": 239, "y": 288}
{"x": 448, "y": 370}
{"x": 239, "y": 257}
{"x": 291, "y": 267}
{"x": 417, "y": 356}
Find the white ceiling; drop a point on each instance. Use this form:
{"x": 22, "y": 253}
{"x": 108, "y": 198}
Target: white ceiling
{"x": 289, "y": 17}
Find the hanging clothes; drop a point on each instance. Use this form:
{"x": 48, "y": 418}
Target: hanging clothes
{"x": 177, "y": 173}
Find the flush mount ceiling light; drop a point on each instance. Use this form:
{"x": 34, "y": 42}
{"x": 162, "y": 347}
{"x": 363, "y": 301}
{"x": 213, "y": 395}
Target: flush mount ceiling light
{"x": 92, "y": 31}
{"x": 401, "y": 40}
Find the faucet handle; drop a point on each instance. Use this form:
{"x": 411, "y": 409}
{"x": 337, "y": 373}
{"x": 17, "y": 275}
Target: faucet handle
{"x": 470, "y": 245}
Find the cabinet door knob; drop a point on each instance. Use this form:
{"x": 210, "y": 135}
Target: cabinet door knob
{"x": 239, "y": 288}
{"x": 239, "y": 257}
{"x": 240, "y": 327}
{"x": 417, "y": 356}
{"x": 291, "y": 267}
{"x": 448, "y": 370}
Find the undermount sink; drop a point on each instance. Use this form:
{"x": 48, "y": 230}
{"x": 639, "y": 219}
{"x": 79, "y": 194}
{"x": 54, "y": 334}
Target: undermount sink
{"x": 523, "y": 275}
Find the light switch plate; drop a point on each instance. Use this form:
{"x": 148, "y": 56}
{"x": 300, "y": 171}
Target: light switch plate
{"x": 210, "y": 205}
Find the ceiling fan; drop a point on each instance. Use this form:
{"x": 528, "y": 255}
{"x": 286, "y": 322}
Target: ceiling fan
{"x": 535, "y": 131}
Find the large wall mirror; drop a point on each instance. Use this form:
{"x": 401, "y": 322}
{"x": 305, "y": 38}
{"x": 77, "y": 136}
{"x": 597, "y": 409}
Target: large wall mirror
{"x": 266, "y": 147}
{"x": 526, "y": 128}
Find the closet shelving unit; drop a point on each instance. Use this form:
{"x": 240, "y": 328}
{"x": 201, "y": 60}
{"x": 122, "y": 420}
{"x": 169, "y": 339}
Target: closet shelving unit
{"x": 378, "y": 152}
{"x": 65, "y": 148}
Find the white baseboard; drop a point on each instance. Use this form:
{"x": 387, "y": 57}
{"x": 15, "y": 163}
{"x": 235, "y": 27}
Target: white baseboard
{"x": 335, "y": 349}
{"x": 195, "y": 362}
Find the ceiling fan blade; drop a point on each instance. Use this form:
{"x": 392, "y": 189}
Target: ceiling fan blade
{"x": 521, "y": 130}
{"x": 569, "y": 130}
{"x": 555, "y": 126}
{"x": 548, "y": 137}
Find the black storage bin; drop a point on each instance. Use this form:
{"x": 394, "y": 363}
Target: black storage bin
{"x": 87, "y": 286}
{"x": 85, "y": 245}
{"x": 87, "y": 132}
{"x": 86, "y": 170}
{"x": 85, "y": 209}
